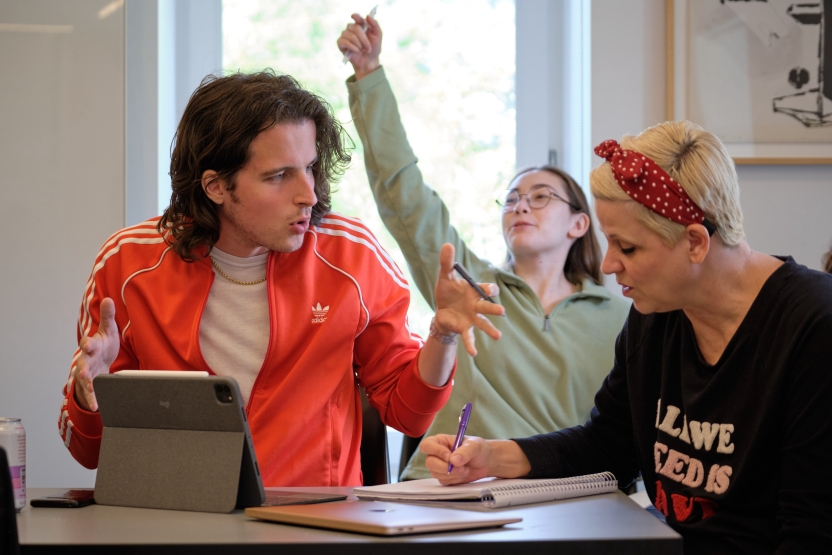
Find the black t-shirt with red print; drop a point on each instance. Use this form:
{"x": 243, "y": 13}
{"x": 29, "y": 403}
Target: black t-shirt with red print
{"x": 738, "y": 455}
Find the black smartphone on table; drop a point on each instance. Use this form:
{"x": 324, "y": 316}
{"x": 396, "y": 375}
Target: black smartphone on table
{"x": 69, "y": 499}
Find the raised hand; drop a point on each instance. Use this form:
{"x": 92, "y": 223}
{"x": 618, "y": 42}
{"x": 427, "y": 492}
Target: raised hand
{"x": 363, "y": 46}
{"x": 459, "y": 307}
{"x": 97, "y": 354}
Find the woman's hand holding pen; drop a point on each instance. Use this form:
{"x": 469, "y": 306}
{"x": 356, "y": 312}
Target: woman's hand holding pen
{"x": 362, "y": 40}
{"x": 476, "y": 458}
{"x": 470, "y": 460}
{"x": 459, "y": 307}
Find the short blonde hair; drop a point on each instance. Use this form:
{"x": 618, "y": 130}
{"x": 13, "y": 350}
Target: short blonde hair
{"x": 699, "y": 162}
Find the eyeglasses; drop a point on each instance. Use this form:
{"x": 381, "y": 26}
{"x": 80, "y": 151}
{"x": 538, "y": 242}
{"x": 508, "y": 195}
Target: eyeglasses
{"x": 538, "y": 197}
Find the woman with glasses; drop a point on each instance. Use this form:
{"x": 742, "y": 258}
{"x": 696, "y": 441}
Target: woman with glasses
{"x": 560, "y": 325}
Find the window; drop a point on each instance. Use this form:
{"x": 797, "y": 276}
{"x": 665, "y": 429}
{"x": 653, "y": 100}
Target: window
{"x": 451, "y": 65}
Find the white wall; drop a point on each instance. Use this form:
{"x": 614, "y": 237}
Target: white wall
{"x": 77, "y": 80}
{"x": 171, "y": 45}
{"x": 62, "y": 183}
{"x": 144, "y": 165}
{"x": 786, "y": 208}
{"x": 552, "y": 111}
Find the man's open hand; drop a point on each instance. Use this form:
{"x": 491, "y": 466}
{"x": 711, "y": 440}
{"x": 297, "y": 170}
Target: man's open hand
{"x": 97, "y": 354}
{"x": 459, "y": 307}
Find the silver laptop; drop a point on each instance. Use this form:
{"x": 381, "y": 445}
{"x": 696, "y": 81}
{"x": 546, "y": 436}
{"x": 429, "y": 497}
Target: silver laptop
{"x": 380, "y": 518}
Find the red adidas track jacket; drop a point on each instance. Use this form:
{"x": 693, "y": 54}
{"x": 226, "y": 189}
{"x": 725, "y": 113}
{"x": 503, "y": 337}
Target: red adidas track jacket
{"x": 304, "y": 410}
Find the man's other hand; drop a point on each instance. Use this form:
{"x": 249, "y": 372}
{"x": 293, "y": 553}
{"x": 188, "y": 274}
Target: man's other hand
{"x": 459, "y": 307}
{"x": 97, "y": 354}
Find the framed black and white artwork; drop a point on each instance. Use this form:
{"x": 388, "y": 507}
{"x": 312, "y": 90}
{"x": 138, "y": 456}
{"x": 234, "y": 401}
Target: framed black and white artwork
{"x": 757, "y": 73}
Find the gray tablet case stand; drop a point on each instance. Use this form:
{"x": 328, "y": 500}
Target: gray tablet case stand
{"x": 175, "y": 443}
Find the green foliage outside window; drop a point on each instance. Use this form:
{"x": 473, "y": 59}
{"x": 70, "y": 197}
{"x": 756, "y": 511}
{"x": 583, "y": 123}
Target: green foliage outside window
{"x": 451, "y": 64}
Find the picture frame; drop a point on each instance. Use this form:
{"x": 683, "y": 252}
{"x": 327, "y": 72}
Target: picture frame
{"x": 745, "y": 71}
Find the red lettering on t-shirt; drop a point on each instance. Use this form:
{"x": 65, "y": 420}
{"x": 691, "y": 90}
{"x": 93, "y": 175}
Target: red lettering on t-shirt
{"x": 682, "y": 506}
{"x": 709, "y": 507}
{"x": 661, "y": 498}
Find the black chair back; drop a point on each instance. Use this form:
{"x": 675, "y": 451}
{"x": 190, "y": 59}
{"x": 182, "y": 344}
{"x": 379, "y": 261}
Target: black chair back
{"x": 409, "y": 446}
{"x": 8, "y": 515}
{"x": 374, "y": 464}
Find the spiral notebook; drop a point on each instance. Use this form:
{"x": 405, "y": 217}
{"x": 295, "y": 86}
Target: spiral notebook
{"x": 490, "y": 493}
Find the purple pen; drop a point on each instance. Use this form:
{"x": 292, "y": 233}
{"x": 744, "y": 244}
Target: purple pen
{"x": 460, "y": 434}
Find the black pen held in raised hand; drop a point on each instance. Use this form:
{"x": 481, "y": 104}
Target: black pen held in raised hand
{"x": 467, "y": 277}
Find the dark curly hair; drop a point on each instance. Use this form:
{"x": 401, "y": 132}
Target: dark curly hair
{"x": 221, "y": 119}
{"x": 584, "y": 258}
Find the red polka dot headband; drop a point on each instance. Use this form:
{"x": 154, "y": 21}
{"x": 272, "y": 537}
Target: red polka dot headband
{"x": 649, "y": 185}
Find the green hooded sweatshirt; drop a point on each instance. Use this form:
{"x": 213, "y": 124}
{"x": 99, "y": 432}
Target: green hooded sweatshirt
{"x": 543, "y": 373}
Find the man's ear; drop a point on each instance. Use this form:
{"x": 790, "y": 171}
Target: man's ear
{"x": 579, "y": 227}
{"x": 699, "y": 242}
{"x": 213, "y": 186}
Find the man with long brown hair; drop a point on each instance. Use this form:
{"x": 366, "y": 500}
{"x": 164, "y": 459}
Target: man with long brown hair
{"x": 248, "y": 274}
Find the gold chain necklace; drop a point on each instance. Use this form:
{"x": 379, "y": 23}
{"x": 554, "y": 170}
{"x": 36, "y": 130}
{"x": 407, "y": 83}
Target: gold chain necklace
{"x": 231, "y": 279}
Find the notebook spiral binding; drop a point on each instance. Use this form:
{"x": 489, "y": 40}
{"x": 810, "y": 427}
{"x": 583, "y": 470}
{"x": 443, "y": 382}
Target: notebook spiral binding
{"x": 549, "y": 490}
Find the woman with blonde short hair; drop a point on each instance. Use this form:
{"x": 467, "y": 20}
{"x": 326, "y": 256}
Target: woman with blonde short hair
{"x": 721, "y": 388}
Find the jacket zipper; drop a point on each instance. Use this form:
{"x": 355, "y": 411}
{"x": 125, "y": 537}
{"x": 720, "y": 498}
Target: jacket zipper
{"x": 270, "y": 299}
{"x": 195, "y": 338}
